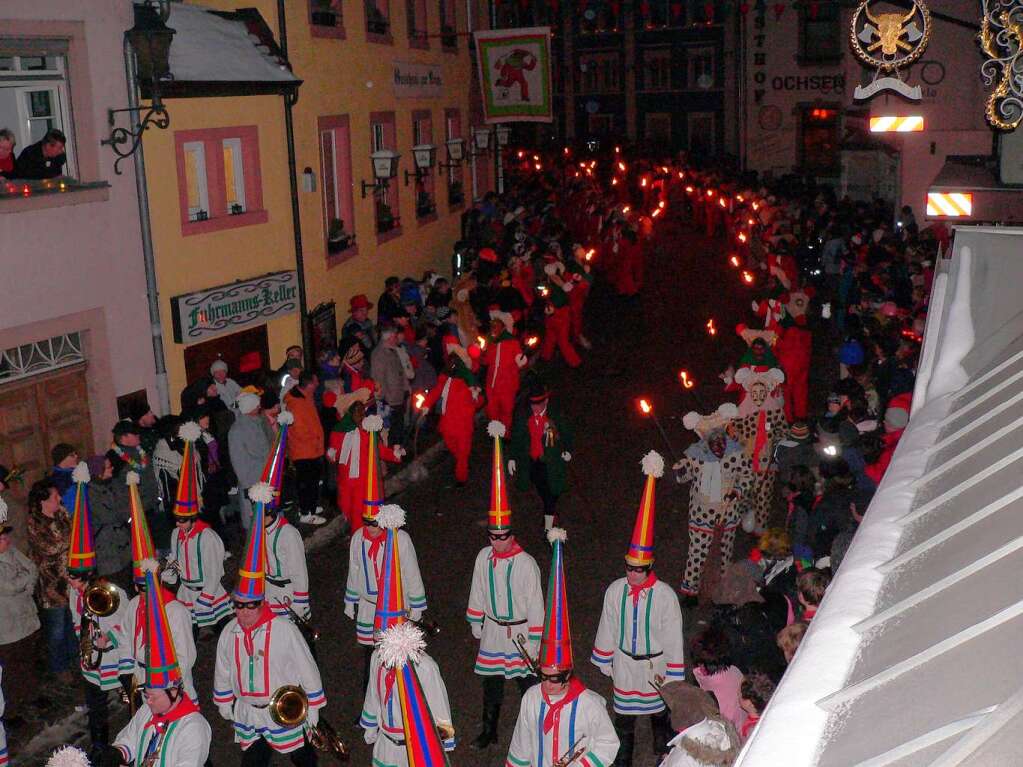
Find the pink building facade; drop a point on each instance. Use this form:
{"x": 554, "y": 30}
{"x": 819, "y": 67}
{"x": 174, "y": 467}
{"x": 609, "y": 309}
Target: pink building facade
{"x": 799, "y": 113}
{"x": 74, "y": 324}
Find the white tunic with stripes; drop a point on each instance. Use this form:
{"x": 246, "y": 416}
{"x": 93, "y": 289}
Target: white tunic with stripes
{"x": 180, "y": 621}
{"x": 287, "y": 578}
{"x": 381, "y": 711}
{"x": 363, "y": 574}
{"x": 185, "y": 743}
{"x": 505, "y": 600}
{"x": 251, "y": 668}
{"x": 200, "y": 563}
{"x": 638, "y": 641}
{"x": 584, "y": 722}
{"x": 112, "y": 627}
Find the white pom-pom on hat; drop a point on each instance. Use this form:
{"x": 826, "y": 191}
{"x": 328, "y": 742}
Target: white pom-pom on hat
{"x": 391, "y": 517}
{"x": 81, "y": 472}
{"x": 285, "y": 418}
{"x": 149, "y": 565}
{"x": 728, "y": 410}
{"x": 132, "y": 478}
{"x": 190, "y": 431}
{"x": 261, "y": 492}
{"x": 495, "y": 429}
{"x": 68, "y": 756}
{"x": 373, "y": 423}
{"x": 557, "y": 534}
{"x": 653, "y": 464}
{"x": 742, "y": 375}
{"x": 777, "y": 374}
{"x": 691, "y": 419}
{"x": 400, "y": 644}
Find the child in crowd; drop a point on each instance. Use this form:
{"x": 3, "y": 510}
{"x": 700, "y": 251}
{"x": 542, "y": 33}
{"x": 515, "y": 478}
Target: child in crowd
{"x": 789, "y": 638}
{"x": 715, "y": 673}
{"x": 811, "y": 586}
{"x": 755, "y": 691}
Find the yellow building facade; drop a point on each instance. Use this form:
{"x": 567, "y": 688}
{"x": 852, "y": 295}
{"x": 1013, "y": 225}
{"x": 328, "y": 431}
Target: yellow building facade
{"x": 375, "y": 74}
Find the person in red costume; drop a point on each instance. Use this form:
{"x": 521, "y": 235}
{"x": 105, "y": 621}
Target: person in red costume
{"x": 558, "y": 320}
{"x": 503, "y": 359}
{"x": 896, "y": 416}
{"x": 523, "y": 277}
{"x": 458, "y": 391}
{"x": 794, "y": 349}
{"x": 579, "y": 267}
{"x": 629, "y": 274}
{"x": 348, "y": 448}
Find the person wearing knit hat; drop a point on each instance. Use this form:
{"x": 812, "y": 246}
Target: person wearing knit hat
{"x": 365, "y": 561}
{"x": 505, "y": 602}
{"x": 179, "y": 617}
{"x": 359, "y": 326}
{"x": 721, "y": 474}
{"x": 355, "y": 448}
{"x": 196, "y": 556}
{"x": 249, "y": 441}
{"x": 560, "y": 719}
{"x": 168, "y": 728}
{"x": 227, "y": 388}
{"x": 385, "y": 710}
{"x": 540, "y": 450}
{"x": 258, "y": 653}
{"x": 639, "y": 638}
{"x": 503, "y": 359}
{"x": 458, "y": 391}
{"x": 100, "y": 667}
{"x": 896, "y": 418}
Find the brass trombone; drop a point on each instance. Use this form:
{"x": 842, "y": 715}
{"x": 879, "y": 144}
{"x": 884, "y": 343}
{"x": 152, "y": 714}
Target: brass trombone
{"x": 289, "y": 707}
{"x": 520, "y": 644}
{"x": 305, "y": 626}
{"x": 428, "y": 627}
{"x": 573, "y": 753}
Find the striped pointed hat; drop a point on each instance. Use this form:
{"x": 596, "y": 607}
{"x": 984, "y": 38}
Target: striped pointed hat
{"x": 188, "y": 502}
{"x": 641, "y": 548}
{"x": 251, "y": 585}
{"x": 162, "y": 669}
{"x": 556, "y": 642}
{"x": 81, "y": 556}
{"x": 141, "y": 541}
{"x": 499, "y": 514}
{"x": 273, "y": 470}
{"x": 391, "y": 608}
{"x": 400, "y": 647}
{"x": 372, "y": 488}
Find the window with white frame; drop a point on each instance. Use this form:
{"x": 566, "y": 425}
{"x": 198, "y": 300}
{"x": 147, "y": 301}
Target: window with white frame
{"x": 197, "y": 188}
{"x": 234, "y": 176}
{"x": 34, "y": 95}
{"x": 338, "y": 202}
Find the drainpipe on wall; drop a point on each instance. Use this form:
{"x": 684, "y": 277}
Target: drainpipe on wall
{"x": 472, "y": 63}
{"x": 146, "y": 228}
{"x": 296, "y": 220}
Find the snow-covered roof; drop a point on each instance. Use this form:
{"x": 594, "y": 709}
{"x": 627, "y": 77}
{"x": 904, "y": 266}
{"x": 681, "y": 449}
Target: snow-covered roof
{"x": 915, "y": 656}
{"x": 223, "y": 48}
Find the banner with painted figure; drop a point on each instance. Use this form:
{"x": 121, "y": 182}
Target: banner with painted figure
{"x": 515, "y": 74}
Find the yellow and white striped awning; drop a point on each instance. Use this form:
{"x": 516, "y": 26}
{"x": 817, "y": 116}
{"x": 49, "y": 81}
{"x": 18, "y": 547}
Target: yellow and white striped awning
{"x": 950, "y": 204}
{"x": 893, "y": 124}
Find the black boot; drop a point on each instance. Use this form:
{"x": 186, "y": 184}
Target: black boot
{"x": 660, "y": 726}
{"x": 493, "y": 695}
{"x": 625, "y": 728}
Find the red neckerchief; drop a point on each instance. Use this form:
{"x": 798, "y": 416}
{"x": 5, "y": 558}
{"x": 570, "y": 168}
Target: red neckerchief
{"x": 575, "y": 689}
{"x": 495, "y": 555}
{"x": 197, "y": 527}
{"x": 760, "y": 441}
{"x": 651, "y": 579}
{"x": 374, "y": 545}
{"x": 265, "y": 616}
{"x": 184, "y": 707}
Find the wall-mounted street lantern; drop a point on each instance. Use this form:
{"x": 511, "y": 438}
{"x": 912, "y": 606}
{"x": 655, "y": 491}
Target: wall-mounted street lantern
{"x": 385, "y": 167}
{"x": 503, "y": 135}
{"x": 424, "y": 156}
{"x": 150, "y": 41}
{"x": 456, "y": 152}
{"x": 481, "y": 141}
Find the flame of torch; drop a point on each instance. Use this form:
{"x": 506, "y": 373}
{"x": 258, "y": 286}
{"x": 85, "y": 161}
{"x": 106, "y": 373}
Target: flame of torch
{"x": 747, "y": 278}
{"x": 521, "y": 154}
{"x": 481, "y": 342}
{"x": 614, "y": 182}
{"x": 722, "y": 202}
{"x": 710, "y": 192}
{"x": 750, "y": 221}
{"x": 626, "y": 209}
{"x": 740, "y": 198}
{"x": 689, "y": 190}
{"x": 621, "y": 167}
{"x": 543, "y": 290}
{"x": 642, "y": 181}
{"x": 742, "y": 237}
{"x": 710, "y": 327}
{"x": 735, "y": 261}
{"x": 645, "y": 407}
{"x": 618, "y": 150}
{"x": 687, "y": 383}
{"x": 536, "y": 158}
{"x": 681, "y": 174}
{"x": 420, "y": 399}
{"x": 589, "y": 254}
{"x": 756, "y": 206}
{"x": 655, "y": 213}
{"x": 566, "y": 151}
{"x": 532, "y": 341}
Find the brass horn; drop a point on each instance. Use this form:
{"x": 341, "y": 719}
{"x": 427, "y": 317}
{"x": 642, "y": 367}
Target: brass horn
{"x": 323, "y": 737}
{"x": 101, "y": 598}
{"x": 288, "y": 706}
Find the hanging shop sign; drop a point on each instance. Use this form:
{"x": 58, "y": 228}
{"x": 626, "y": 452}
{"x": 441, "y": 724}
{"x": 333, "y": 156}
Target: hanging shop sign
{"x": 889, "y": 42}
{"x": 515, "y": 74}
{"x": 227, "y": 308}
{"x": 1001, "y": 40}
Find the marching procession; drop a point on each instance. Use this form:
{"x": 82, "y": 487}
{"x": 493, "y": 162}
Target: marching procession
{"x": 492, "y": 332}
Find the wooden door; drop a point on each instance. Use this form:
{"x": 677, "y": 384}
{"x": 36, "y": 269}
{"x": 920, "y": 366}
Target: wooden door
{"x": 247, "y": 354}
{"x": 36, "y": 414}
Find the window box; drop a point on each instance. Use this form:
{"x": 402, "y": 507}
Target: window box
{"x": 386, "y": 220}
{"x": 425, "y": 206}
{"x": 378, "y": 22}
{"x": 456, "y": 195}
{"x": 326, "y": 19}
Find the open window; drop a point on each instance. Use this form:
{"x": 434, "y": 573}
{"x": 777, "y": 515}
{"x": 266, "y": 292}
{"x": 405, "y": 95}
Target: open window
{"x": 338, "y": 202}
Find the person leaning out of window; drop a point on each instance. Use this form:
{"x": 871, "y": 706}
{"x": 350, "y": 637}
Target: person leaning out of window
{"x": 44, "y": 159}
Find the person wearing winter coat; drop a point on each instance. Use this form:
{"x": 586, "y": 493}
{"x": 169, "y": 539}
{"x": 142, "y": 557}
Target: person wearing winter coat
{"x": 896, "y": 416}
{"x": 458, "y": 392}
{"x": 249, "y": 442}
{"x": 393, "y": 373}
{"x": 305, "y": 446}
{"x": 110, "y": 520}
{"x": 19, "y": 618}
{"x": 704, "y": 738}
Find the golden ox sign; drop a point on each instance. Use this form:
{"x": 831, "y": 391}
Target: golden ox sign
{"x": 889, "y": 41}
